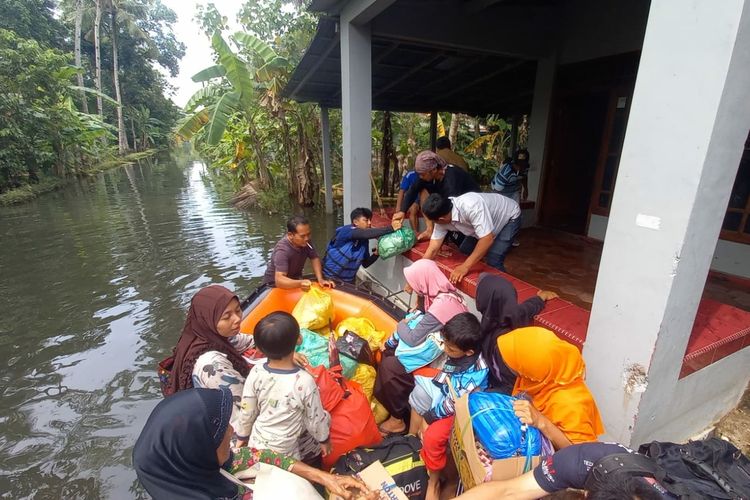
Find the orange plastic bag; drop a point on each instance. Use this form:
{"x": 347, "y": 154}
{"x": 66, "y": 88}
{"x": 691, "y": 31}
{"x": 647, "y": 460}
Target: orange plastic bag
{"x": 352, "y": 424}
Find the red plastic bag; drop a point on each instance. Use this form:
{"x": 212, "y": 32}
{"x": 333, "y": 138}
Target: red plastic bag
{"x": 329, "y": 384}
{"x": 352, "y": 424}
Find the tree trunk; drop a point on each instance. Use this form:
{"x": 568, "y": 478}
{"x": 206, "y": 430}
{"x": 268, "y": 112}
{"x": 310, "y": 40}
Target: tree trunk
{"x": 264, "y": 175}
{"x": 97, "y": 56}
{"x": 477, "y": 132}
{"x": 122, "y": 138}
{"x": 305, "y": 175}
{"x": 77, "y": 36}
{"x": 453, "y": 131}
{"x": 385, "y": 154}
{"x": 286, "y": 140}
{"x": 132, "y": 132}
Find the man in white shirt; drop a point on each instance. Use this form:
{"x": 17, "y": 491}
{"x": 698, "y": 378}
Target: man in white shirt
{"x": 489, "y": 221}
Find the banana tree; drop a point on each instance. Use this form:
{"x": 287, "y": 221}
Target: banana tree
{"x": 230, "y": 90}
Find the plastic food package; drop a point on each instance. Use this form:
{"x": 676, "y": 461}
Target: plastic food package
{"x": 365, "y": 329}
{"x": 396, "y": 242}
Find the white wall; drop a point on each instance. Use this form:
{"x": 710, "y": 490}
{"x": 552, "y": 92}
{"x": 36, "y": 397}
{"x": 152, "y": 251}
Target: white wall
{"x": 655, "y": 257}
{"x": 729, "y": 257}
{"x": 700, "y": 400}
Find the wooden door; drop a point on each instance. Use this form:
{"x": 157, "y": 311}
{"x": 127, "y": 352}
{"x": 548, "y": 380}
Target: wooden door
{"x": 574, "y": 139}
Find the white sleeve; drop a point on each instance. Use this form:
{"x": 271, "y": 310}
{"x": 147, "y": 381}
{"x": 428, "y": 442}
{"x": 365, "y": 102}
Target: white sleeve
{"x": 439, "y": 232}
{"x": 248, "y": 408}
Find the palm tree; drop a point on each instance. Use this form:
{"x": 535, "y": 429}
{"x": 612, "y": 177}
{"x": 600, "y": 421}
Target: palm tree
{"x": 122, "y": 139}
{"x": 97, "y": 55}
{"x": 77, "y": 36}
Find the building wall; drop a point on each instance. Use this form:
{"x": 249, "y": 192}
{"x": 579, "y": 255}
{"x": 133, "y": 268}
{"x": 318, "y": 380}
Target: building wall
{"x": 704, "y": 396}
{"x": 729, "y": 257}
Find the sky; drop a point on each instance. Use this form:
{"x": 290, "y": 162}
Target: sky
{"x": 198, "y": 52}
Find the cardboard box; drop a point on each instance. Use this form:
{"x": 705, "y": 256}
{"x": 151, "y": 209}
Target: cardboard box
{"x": 470, "y": 467}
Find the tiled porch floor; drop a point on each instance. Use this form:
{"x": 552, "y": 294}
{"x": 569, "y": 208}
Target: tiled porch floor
{"x": 568, "y": 264}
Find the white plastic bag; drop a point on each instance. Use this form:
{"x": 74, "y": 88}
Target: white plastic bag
{"x": 274, "y": 483}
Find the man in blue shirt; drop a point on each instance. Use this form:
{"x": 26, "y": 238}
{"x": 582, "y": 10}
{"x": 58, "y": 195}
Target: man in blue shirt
{"x": 510, "y": 179}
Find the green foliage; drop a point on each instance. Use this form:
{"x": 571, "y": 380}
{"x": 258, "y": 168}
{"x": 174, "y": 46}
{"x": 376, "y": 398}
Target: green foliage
{"x": 42, "y": 132}
{"x": 33, "y": 19}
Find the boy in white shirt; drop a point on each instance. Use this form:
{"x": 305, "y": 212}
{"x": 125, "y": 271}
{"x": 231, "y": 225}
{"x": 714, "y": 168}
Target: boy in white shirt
{"x": 280, "y": 401}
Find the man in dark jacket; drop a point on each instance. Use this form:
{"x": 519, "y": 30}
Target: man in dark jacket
{"x": 435, "y": 176}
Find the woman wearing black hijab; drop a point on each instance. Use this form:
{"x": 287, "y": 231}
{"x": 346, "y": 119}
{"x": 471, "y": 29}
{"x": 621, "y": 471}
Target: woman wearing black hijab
{"x": 186, "y": 442}
{"x": 497, "y": 301}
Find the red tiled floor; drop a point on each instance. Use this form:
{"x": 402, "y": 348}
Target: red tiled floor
{"x": 568, "y": 264}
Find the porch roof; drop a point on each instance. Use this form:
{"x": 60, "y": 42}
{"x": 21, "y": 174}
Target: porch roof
{"x": 418, "y": 76}
{"x": 468, "y": 56}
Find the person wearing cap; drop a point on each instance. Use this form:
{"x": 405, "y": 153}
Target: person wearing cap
{"x": 435, "y": 176}
{"x": 443, "y": 146}
{"x": 510, "y": 179}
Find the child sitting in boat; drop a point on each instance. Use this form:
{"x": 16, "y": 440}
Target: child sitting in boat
{"x": 280, "y": 401}
{"x": 432, "y": 398}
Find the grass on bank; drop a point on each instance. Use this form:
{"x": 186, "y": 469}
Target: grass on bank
{"x": 29, "y": 192}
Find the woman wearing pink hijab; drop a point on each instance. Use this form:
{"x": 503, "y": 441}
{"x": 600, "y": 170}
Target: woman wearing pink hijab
{"x": 414, "y": 345}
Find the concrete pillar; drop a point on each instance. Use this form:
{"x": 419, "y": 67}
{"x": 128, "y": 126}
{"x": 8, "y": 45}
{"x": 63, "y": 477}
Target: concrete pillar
{"x": 689, "y": 119}
{"x": 325, "y": 127}
{"x": 539, "y": 122}
{"x": 356, "y": 110}
{"x": 433, "y": 130}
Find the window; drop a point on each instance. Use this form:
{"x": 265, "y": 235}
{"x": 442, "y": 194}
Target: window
{"x": 736, "y": 225}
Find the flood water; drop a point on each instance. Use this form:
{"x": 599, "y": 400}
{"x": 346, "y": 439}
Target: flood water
{"x": 95, "y": 281}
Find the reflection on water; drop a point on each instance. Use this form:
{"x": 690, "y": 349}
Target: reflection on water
{"x": 95, "y": 281}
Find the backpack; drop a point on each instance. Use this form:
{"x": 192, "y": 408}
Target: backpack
{"x": 710, "y": 468}
{"x": 400, "y": 457}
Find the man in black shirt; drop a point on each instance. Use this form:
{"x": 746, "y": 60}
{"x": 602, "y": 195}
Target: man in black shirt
{"x": 569, "y": 468}
{"x": 435, "y": 176}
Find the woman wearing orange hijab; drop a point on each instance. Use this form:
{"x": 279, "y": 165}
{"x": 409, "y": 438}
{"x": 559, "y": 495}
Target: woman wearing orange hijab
{"x": 551, "y": 372}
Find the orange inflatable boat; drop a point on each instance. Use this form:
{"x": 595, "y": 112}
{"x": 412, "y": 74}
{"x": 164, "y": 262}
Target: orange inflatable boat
{"x": 349, "y": 301}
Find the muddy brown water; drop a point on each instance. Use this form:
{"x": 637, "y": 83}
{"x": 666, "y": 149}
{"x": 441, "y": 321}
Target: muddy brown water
{"x": 95, "y": 281}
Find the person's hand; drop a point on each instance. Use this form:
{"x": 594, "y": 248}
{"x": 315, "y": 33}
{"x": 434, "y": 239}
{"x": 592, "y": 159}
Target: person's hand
{"x": 239, "y": 443}
{"x": 327, "y": 283}
{"x": 343, "y": 486}
{"x": 375, "y": 251}
{"x": 305, "y": 285}
{"x": 300, "y": 360}
{"x": 527, "y": 413}
{"x": 325, "y": 448}
{"x": 424, "y": 235}
{"x": 458, "y": 274}
{"x": 398, "y": 216}
{"x": 397, "y": 223}
{"x": 546, "y": 295}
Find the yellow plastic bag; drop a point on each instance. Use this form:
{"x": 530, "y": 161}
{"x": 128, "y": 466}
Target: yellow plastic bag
{"x": 314, "y": 310}
{"x": 379, "y": 411}
{"x": 364, "y": 375}
{"x": 365, "y": 329}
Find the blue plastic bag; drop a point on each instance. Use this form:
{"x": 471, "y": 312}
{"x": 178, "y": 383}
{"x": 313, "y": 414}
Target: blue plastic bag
{"x": 315, "y": 347}
{"x": 499, "y": 430}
